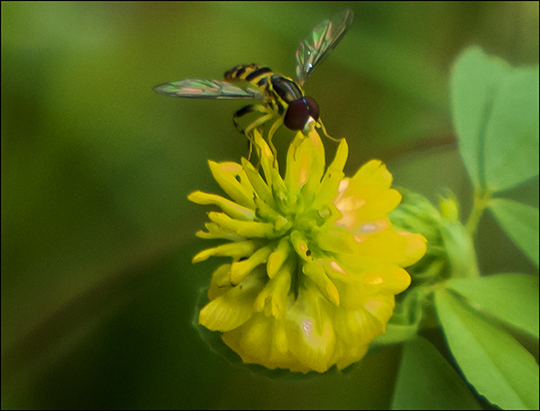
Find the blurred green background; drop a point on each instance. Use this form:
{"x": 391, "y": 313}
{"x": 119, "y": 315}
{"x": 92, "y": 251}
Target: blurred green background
{"x": 98, "y": 292}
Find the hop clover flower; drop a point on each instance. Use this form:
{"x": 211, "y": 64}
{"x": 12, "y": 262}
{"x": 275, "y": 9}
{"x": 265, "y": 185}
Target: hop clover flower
{"x": 315, "y": 260}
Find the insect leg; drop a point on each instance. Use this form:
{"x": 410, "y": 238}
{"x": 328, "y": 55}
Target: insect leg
{"x": 273, "y": 129}
{"x": 259, "y": 122}
{"x": 244, "y": 111}
{"x": 323, "y": 128}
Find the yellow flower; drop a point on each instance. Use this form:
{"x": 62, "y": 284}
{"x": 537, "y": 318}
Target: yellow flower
{"x": 315, "y": 260}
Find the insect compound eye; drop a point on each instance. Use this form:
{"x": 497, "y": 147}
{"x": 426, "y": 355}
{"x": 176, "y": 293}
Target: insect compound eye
{"x": 299, "y": 112}
{"x": 297, "y": 115}
{"x": 313, "y": 107}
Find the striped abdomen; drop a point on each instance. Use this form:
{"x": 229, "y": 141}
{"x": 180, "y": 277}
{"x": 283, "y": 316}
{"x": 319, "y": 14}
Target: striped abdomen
{"x": 253, "y": 73}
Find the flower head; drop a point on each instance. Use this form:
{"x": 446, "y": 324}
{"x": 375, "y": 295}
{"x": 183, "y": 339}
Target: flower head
{"x": 315, "y": 260}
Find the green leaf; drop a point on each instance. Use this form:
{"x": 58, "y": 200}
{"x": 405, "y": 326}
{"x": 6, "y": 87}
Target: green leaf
{"x": 511, "y": 155}
{"x": 490, "y": 358}
{"x": 472, "y": 82}
{"x": 510, "y": 297}
{"x": 427, "y": 382}
{"x": 520, "y": 222}
{"x": 495, "y": 115}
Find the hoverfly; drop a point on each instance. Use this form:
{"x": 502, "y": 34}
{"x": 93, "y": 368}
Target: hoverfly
{"x": 284, "y": 101}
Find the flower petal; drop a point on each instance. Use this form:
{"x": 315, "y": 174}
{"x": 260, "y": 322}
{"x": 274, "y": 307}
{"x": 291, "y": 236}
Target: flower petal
{"x": 305, "y": 165}
{"x": 374, "y": 172}
{"x": 309, "y": 324}
{"x": 233, "y": 308}
{"x": 241, "y": 269}
{"x": 249, "y": 228}
{"x": 275, "y": 295}
{"x": 278, "y": 257}
{"x": 238, "y": 249}
{"x": 264, "y": 340}
{"x": 328, "y": 189}
{"x": 315, "y": 272}
{"x": 220, "y": 282}
{"x": 337, "y": 241}
{"x": 230, "y": 208}
{"x": 414, "y": 250}
{"x": 259, "y": 185}
{"x": 234, "y": 181}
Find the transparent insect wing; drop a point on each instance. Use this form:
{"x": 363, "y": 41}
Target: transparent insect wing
{"x": 211, "y": 89}
{"x": 322, "y": 40}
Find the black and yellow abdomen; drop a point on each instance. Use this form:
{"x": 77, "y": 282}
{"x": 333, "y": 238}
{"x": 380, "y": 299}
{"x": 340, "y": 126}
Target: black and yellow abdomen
{"x": 255, "y": 74}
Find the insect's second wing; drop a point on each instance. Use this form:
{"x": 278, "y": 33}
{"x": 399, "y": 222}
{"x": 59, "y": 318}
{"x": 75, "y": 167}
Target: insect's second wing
{"x": 322, "y": 40}
{"x": 197, "y": 88}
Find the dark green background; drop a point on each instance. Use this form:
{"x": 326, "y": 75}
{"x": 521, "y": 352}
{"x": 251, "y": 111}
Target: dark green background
{"x": 98, "y": 292}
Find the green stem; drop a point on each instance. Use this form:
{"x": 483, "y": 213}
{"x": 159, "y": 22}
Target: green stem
{"x": 481, "y": 201}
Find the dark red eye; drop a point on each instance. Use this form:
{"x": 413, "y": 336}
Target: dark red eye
{"x": 313, "y": 108}
{"x": 299, "y": 112}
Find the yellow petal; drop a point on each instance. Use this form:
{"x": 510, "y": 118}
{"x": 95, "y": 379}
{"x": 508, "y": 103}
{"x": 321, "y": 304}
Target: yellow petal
{"x": 239, "y": 249}
{"x": 336, "y": 241}
{"x": 273, "y": 299}
{"x": 278, "y": 257}
{"x": 264, "y": 340}
{"x": 268, "y": 162}
{"x": 249, "y": 228}
{"x": 328, "y": 189}
{"x": 232, "y": 209}
{"x": 259, "y": 185}
{"x": 414, "y": 250}
{"x": 315, "y": 272}
{"x": 373, "y": 172}
{"x": 241, "y": 269}
{"x": 233, "y": 308}
{"x": 311, "y": 331}
{"x": 386, "y": 245}
{"x": 379, "y": 207}
{"x": 216, "y": 231}
{"x": 234, "y": 181}
{"x": 355, "y": 330}
{"x": 220, "y": 282}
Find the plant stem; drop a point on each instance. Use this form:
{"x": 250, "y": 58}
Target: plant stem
{"x": 482, "y": 199}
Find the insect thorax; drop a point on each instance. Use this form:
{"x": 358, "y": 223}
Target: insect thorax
{"x": 280, "y": 90}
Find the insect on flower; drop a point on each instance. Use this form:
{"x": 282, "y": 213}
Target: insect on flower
{"x": 284, "y": 101}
